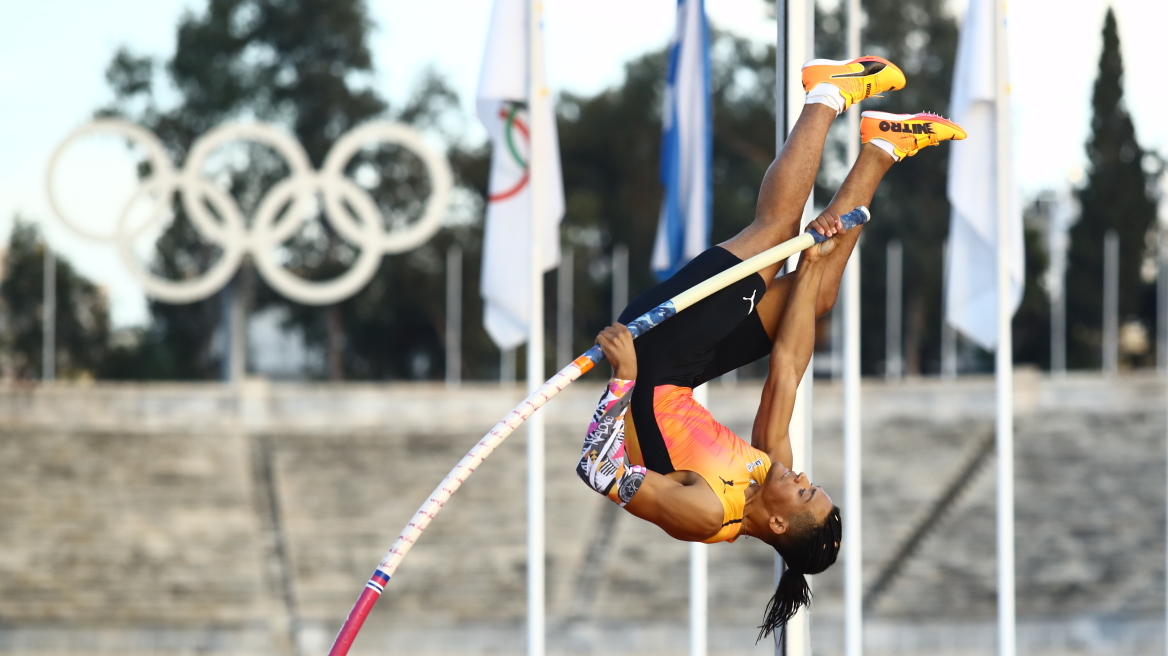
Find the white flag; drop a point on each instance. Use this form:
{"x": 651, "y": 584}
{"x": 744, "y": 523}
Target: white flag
{"x": 503, "y": 108}
{"x": 971, "y": 295}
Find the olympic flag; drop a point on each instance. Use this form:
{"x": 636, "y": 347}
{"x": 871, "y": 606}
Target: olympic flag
{"x": 504, "y": 109}
{"x": 683, "y": 229}
{"x": 973, "y": 235}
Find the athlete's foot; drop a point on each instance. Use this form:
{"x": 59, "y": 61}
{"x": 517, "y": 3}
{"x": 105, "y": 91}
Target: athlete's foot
{"x": 902, "y": 135}
{"x": 840, "y": 84}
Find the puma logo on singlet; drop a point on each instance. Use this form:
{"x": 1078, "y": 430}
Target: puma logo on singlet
{"x": 751, "y": 299}
{"x": 726, "y": 482}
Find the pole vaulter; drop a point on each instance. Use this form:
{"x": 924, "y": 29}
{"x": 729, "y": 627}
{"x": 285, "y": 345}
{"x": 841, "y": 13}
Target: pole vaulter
{"x": 781, "y": 323}
{"x": 556, "y": 384}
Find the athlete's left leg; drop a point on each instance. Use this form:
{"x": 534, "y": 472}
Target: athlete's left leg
{"x": 883, "y": 146}
{"x": 832, "y": 87}
{"x": 887, "y": 138}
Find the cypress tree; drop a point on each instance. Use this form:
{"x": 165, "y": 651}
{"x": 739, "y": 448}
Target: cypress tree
{"x": 1117, "y": 196}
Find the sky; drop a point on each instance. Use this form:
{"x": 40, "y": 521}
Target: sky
{"x": 52, "y": 79}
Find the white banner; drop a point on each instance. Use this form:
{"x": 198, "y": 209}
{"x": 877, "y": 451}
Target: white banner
{"x": 971, "y": 295}
{"x": 502, "y": 107}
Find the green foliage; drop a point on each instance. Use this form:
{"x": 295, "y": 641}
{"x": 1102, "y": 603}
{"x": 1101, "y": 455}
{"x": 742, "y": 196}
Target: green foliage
{"x": 911, "y": 205}
{"x": 1117, "y": 196}
{"x": 610, "y": 145}
{"x": 82, "y": 315}
{"x": 306, "y": 65}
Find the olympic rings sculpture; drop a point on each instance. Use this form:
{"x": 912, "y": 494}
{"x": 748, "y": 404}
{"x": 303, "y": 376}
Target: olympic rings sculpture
{"x": 269, "y": 229}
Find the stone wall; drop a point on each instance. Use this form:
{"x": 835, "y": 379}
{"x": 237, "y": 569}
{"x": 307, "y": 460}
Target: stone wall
{"x": 184, "y": 518}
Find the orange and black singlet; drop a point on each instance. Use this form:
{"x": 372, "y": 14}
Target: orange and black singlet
{"x": 718, "y": 334}
{"x": 697, "y": 442}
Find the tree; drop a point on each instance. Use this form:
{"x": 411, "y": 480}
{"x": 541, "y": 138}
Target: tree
{"x": 1117, "y": 196}
{"x": 610, "y": 147}
{"x": 82, "y": 315}
{"x": 911, "y": 205}
{"x": 304, "y": 64}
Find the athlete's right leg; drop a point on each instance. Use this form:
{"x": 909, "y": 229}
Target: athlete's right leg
{"x": 785, "y": 187}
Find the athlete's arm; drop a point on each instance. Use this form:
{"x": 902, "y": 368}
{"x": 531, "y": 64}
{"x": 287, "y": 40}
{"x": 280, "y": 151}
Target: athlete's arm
{"x": 685, "y": 512}
{"x": 830, "y": 223}
{"x": 794, "y": 343}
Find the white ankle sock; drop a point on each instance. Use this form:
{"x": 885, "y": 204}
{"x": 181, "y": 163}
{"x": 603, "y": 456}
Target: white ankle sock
{"x": 827, "y": 94}
{"x": 886, "y": 146}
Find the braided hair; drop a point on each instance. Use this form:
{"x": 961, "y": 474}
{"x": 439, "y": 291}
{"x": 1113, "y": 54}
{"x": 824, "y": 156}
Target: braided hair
{"x": 806, "y": 549}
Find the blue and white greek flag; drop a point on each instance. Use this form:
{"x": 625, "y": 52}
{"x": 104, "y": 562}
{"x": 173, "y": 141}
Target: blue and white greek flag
{"x": 683, "y": 230}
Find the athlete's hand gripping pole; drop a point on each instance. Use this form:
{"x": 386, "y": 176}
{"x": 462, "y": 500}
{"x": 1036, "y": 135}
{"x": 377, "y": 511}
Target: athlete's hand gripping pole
{"x": 581, "y": 365}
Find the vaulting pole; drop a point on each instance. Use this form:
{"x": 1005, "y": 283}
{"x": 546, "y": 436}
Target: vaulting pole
{"x": 554, "y": 385}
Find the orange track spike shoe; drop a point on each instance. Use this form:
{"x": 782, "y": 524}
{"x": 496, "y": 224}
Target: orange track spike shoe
{"x": 902, "y": 135}
{"x": 856, "y": 80}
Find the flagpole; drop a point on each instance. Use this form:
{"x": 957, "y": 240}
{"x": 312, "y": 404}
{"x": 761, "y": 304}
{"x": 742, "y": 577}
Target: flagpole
{"x": 1003, "y": 359}
{"x": 853, "y": 544}
{"x": 537, "y": 94}
{"x": 781, "y": 56}
{"x": 796, "y": 38}
{"x": 453, "y": 317}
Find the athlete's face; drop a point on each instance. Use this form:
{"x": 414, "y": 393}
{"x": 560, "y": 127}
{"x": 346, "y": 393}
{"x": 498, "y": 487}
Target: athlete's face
{"x": 788, "y": 493}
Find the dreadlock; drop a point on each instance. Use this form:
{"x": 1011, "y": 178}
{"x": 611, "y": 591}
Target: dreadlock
{"x": 806, "y": 549}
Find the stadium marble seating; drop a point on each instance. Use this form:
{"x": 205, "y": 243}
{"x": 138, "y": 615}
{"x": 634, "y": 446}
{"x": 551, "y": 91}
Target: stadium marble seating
{"x": 175, "y": 519}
